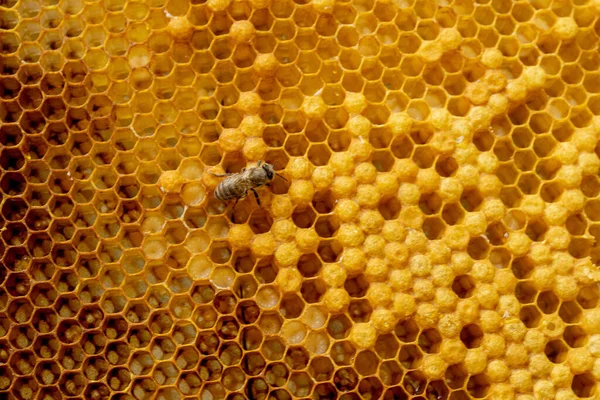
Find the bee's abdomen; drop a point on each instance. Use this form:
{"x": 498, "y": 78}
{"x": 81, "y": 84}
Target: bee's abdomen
{"x": 230, "y": 189}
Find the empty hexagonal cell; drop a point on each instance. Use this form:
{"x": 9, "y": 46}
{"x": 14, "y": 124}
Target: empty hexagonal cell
{"x": 584, "y": 385}
{"x": 588, "y": 296}
{"x": 478, "y": 248}
{"x": 525, "y": 292}
{"x": 478, "y": 385}
{"x": 13, "y": 183}
{"x": 291, "y": 306}
{"x": 329, "y": 250}
{"x": 406, "y": 331}
{"x": 531, "y": 316}
{"x": 390, "y": 373}
{"x": 12, "y": 160}
{"x": 430, "y": 341}
{"x": 556, "y": 351}
{"x": 575, "y": 336}
{"x": 456, "y": 376}
{"x": 10, "y": 135}
{"x": 434, "y": 228}
{"x": 14, "y": 209}
{"x": 548, "y": 302}
{"x": 463, "y": 286}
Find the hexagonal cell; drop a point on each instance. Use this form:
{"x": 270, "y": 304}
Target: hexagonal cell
{"x": 430, "y": 341}
{"x": 14, "y": 209}
{"x": 20, "y": 310}
{"x": 588, "y": 296}
{"x": 44, "y": 320}
{"x": 137, "y": 311}
{"x": 67, "y": 306}
{"x": 13, "y": 184}
{"x": 93, "y": 342}
{"x": 46, "y": 346}
{"x": 24, "y": 388}
{"x": 12, "y": 160}
{"x": 253, "y": 363}
{"x": 6, "y": 379}
{"x": 345, "y": 379}
{"x": 10, "y": 135}
{"x": 406, "y": 331}
{"x": 17, "y": 284}
{"x": 300, "y": 384}
{"x": 478, "y": 248}
{"x": 556, "y": 351}
{"x": 21, "y": 337}
{"x": 584, "y": 385}
{"x": 118, "y": 378}
{"x": 463, "y": 286}
{"x": 456, "y": 376}
{"x": 95, "y": 368}
{"x": 276, "y": 374}
{"x": 23, "y": 362}
{"x": 370, "y": 387}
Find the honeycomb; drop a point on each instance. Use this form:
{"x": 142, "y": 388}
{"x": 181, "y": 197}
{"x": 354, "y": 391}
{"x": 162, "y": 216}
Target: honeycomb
{"x": 437, "y": 236}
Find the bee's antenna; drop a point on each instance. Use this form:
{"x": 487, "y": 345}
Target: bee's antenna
{"x": 281, "y": 176}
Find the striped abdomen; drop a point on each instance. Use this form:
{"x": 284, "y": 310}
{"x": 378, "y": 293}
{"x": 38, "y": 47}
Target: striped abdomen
{"x": 233, "y": 187}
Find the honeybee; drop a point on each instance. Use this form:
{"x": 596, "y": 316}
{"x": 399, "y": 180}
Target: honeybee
{"x": 237, "y": 185}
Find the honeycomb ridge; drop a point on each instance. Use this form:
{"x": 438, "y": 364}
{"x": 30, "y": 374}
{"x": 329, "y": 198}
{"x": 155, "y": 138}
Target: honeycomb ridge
{"x": 435, "y": 236}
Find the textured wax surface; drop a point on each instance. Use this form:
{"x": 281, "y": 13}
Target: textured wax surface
{"x": 436, "y": 237}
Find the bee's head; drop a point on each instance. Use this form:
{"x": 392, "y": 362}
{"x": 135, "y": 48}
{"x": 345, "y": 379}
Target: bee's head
{"x": 270, "y": 170}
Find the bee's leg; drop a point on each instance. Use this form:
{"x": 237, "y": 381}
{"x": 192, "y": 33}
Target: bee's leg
{"x": 259, "y": 163}
{"x": 233, "y": 210}
{"x": 219, "y": 175}
{"x": 256, "y": 195}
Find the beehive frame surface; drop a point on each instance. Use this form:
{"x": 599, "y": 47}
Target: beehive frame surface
{"x": 437, "y": 236}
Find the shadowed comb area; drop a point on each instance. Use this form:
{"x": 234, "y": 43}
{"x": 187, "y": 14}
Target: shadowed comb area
{"x": 435, "y": 235}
